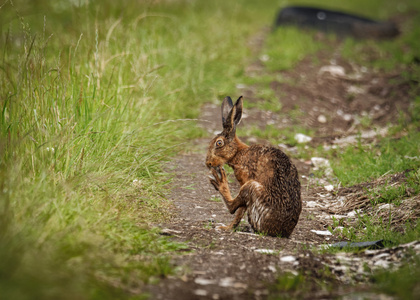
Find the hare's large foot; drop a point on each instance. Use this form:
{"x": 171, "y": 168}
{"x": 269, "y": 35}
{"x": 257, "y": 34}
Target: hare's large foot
{"x": 224, "y": 228}
{"x": 238, "y": 217}
{"x": 219, "y": 179}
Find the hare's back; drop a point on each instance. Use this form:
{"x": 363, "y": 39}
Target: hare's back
{"x": 269, "y": 162}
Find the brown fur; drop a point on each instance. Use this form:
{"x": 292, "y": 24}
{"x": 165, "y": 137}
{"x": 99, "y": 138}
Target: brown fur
{"x": 270, "y": 187}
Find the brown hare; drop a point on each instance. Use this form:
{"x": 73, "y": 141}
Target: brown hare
{"x": 270, "y": 187}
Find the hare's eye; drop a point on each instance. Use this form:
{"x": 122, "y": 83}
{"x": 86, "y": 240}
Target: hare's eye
{"x": 219, "y": 143}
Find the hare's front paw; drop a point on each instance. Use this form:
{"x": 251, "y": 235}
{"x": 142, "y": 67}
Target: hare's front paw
{"x": 218, "y": 178}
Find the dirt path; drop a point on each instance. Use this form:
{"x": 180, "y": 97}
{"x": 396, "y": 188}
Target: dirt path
{"x": 243, "y": 265}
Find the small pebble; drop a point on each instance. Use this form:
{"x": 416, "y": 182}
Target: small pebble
{"x": 288, "y": 258}
{"x": 322, "y": 119}
{"x": 329, "y": 187}
{"x": 302, "y": 138}
{"x": 322, "y": 232}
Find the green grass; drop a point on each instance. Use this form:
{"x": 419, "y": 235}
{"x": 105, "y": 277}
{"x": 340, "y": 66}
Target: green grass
{"x": 267, "y": 100}
{"x": 369, "y": 228}
{"x": 287, "y": 46}
{"x": 290, "y": 286}
{"x": 366, "y": 162}
{"x": 402, "y": 283}
{"x": 395, "y": 193}
{"x": 94, "y": 98}
{"x": 302, "y": 284}
{"x": 398, "y": 152}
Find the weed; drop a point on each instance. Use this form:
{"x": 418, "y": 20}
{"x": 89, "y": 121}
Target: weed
{"x": 310, "y": 217}
{"x": 360, "y": 164}
{"x": 365, "y": 121}
{"x": 392, "y": 194}
{"x": 291, "y": 285}
{"x": 209, "y": 225}
{"x": 190, "y": 187}
{"x": 211, "y": 246}
{"x": 402, "y": 283}
{"x": 215, "y": 198}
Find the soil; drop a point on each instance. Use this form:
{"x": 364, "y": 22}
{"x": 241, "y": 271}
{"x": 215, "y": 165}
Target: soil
{"x": 245, "y": 265}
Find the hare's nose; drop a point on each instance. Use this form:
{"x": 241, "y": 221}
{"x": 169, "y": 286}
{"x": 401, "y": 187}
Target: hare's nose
{"x": 208, "y": 164}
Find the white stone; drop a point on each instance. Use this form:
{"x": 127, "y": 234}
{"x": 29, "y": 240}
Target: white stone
{"x": 322, "y": 119}
{"x": 264, "y": 57}
{"x": 355, "y": 90}
{"x": 204, "y": 281}
{"x": 302, "y": 138}
{"x": 311, "y": 204}
{"x": 382, "y": 255}
{"x": 200, "y": 292}
{"x": 347, "y": 117}
{"x": 265, "y": 251}
{"x": 337, "y": 71}
{"x": 386, "y": 206}
{"x": 353, "y": 213}
{"x": 288, "y": 258}
{"x": 329, "y": 187}
{"x": 382, "y": 263}
{"x": 338, "y": 217}
{"x": 322, "y": 232}
{"x": 272, "y": 268}
{"x": 226, "y": 282}
{"x": 320, "y": 162}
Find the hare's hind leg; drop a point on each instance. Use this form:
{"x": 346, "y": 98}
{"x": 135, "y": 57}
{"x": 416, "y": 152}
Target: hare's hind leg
{"x": 238, "y": 217}
{"x": 249, "y": 195}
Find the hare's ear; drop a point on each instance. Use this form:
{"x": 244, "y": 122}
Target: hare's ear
{"x": 238, "y": 114}
{"x": 233, "y": 118}
{"x": 226, "y": 107}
